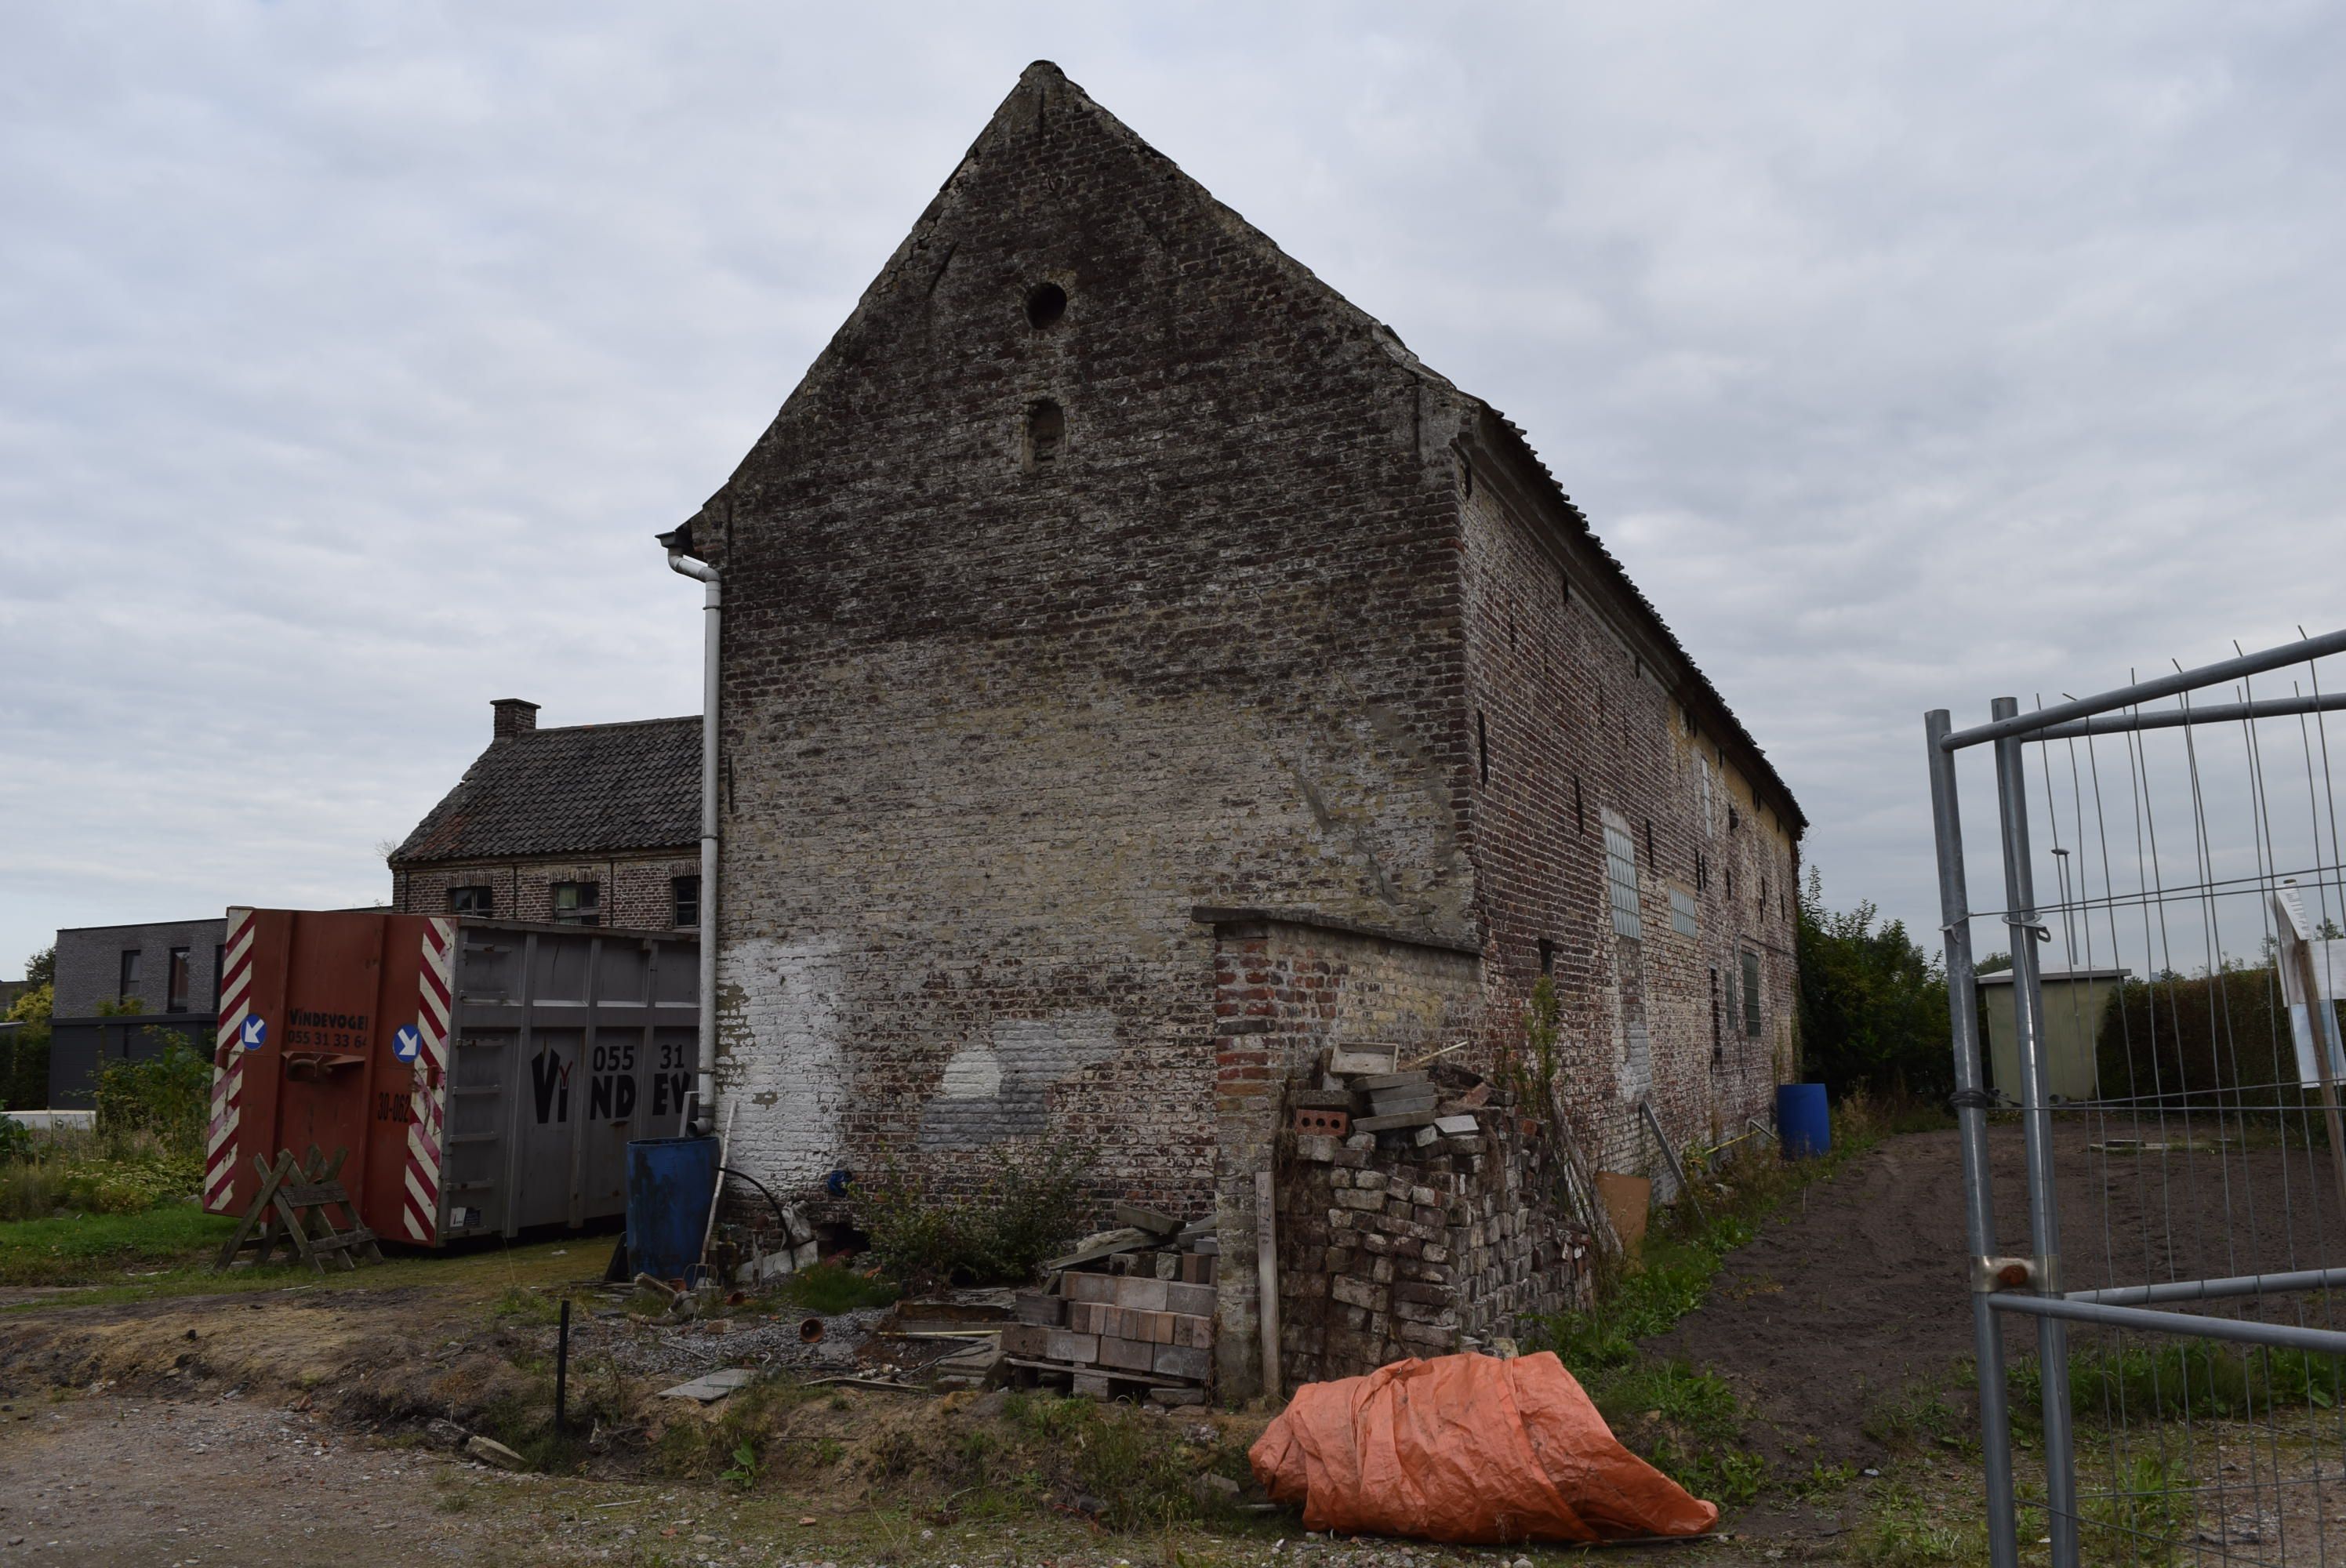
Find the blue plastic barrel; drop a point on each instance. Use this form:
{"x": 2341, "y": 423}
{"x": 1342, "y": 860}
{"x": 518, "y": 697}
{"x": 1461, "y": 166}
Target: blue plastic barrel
{"x": 1803, "y": 1123}
{"x": 670, "y": 1181}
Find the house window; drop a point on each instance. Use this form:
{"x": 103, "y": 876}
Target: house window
{"x": 1621, "y": 879}
{"x": 472, "y": 901}
{"x": 685, "y": 894}
{"x": 129, "y": 987}
{"x": 578, "y": 903}
{"x": 1750, "y": 993}
{"x": 1682, "y": 918}
{"x": 175, "y": 996}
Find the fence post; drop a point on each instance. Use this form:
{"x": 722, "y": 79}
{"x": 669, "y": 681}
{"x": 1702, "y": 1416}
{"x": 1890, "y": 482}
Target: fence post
{"x": 2036, "y": 1127}
{"x": 1971, "y": 1116}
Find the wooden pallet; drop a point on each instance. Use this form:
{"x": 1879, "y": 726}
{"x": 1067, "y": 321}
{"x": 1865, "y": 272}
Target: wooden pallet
{"x": 294, "y": 1205}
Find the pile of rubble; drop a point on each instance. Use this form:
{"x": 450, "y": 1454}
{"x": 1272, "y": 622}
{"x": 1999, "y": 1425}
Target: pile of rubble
{"x": 1130, "y": 1312}
{"x": 1366, "y": 1091}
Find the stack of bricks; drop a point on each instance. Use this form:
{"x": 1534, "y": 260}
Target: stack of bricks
{"x": 1391, "y": 1247}
{"x": 1138, "y": 1323}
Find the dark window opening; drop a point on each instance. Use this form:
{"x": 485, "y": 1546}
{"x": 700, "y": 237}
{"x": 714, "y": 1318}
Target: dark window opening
{"x": 1651, "y": 863}
{"x": 1731, "y": 881}
{"x": 1045, "y": 303}
{"x": 472, "y": 900}
{"x": 685, "y": 893}
{"x": 1688, "y": 712}
{"x": 220, "y": 973}
{"x": 1579, "y": 812}
{"x": 1701, "y": 871}
{"x": 1465, "y": 479}
{"x": 1546, "y": 956}
{"x": 1046, "y": 434}
{"x": 174, "y": 982}
{"x": 128, "y": 986}
{"x": 1750, "y": 994}
{"x": 1483, "y": 745}
{"x": 1733, "y": 820}
{"x": 578, "y": 903}
{"x": 1563, "y": 583}
{"x": 1718, "y": 1037}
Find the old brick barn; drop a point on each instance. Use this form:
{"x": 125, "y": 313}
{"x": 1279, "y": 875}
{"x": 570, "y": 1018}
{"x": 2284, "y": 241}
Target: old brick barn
{"x": 1140, "y": 670}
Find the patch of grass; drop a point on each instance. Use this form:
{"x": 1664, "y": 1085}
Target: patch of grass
{"x": 74, "y": 1249}
{"x": 2198, "y": 1378}
{"x": 2142, "y": 1517}
{"x": 830, "y": 1288}
{"x": 1910, "y": 1532}
{"x": 520, "y": 1304}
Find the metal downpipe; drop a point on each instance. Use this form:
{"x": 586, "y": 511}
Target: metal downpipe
{"x": 704, "y": 1097}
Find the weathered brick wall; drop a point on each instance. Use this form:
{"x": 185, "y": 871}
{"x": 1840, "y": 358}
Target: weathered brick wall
{"x": 1577, "y": 721}
{"x": 638, "y": 892}
{"x": 1390, "y": 1249}
{"x": 993, "y": 727}
{"x": 1283, "y": 991}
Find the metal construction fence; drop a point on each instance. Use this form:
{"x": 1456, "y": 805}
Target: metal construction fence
{"x": 2155, "y": 1203}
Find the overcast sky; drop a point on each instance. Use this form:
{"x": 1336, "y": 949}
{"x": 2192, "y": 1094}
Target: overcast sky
{"x": 351, "y": 354}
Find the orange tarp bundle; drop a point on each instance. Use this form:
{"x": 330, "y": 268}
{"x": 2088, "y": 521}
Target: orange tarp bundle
{"x": 1466, "y": 1449}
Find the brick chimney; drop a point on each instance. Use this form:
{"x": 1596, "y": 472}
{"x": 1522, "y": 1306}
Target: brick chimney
{"x": 513, "y": 717}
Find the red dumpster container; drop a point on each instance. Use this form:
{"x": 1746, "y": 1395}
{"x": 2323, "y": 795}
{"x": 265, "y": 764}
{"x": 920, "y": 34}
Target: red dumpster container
{"x": 483, "y": 1076}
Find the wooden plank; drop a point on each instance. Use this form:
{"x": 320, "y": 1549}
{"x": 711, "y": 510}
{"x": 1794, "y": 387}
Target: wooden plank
{"x": 1107, "y": 1247}
{"x": 1155, "y": 1221}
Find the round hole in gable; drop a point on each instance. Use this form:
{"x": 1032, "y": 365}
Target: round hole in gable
{"x": 1045, "y": 303}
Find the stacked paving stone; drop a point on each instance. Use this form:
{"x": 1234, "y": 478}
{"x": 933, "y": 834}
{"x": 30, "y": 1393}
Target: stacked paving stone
{"x": 1129, "y": 1313}
{"x": 1422, "y": 1232}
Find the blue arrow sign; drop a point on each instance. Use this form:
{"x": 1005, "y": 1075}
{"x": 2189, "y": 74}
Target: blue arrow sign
{"x": 406, "y": 1043}
{"x": 255, "y": 1032}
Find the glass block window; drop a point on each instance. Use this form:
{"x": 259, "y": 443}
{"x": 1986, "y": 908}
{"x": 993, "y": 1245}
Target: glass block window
{"x": 1621, "y": 879}
{"x": 1682, "y": 913}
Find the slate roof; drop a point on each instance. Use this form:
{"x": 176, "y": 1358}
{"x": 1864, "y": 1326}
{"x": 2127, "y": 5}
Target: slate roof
{"x": 584, "y": 790}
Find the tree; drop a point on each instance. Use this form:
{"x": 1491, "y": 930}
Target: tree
{"x": 41, "y": 969}
{"x": 1874, "y": 1006}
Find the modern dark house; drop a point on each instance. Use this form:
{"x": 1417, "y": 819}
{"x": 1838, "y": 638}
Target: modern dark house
{"x": 123, "y": 991}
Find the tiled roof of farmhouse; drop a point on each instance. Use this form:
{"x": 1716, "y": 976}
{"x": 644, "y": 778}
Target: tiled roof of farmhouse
{"x": 584, "y": 790}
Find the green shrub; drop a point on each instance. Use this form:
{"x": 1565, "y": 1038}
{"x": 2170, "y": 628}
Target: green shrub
{"x": 24, "y": 1065}
{"x": 16, "y": 1145}
{"x": 829, "y": 1288}
{"x": 1029, "y": 1209}
{"x": 169, "y": 1095}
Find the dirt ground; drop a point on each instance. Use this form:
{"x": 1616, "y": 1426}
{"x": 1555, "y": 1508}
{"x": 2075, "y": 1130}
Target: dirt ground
{"x": 295, "y": 1423}
{"x": 1852, "y": 1305}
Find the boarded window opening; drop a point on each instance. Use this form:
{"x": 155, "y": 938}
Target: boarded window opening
{"x": 1718, "y": 1037}
{"x": 1045, "y": 303}
{"x": 1750, "y": 994}
{"x": 1046, "y": 434}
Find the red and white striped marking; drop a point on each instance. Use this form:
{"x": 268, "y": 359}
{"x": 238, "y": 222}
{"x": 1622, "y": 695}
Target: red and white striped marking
{"x": 420, "y": 1211}
{"x": 227, "y": 1061}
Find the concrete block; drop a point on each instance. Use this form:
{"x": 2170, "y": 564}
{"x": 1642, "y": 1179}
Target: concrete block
{"x": 1063, "y": 1345}
{"x": 1088, "y": 1286}
{"x": 1183, "y": 1361}
{"x": 1039, "y": 1307}
{"x": 1195, "y": 1299}
{"x": 1148, "y": 1295}
{"x": 1128, "y": 1355}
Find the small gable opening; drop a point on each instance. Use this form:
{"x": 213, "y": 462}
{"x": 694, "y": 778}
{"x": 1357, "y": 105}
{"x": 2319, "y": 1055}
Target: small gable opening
{"x": 1046, "y": 436}
{"x": 1045, "y": 303}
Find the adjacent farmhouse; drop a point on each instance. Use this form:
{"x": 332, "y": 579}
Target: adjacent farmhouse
{"x": 594, "y": 824}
